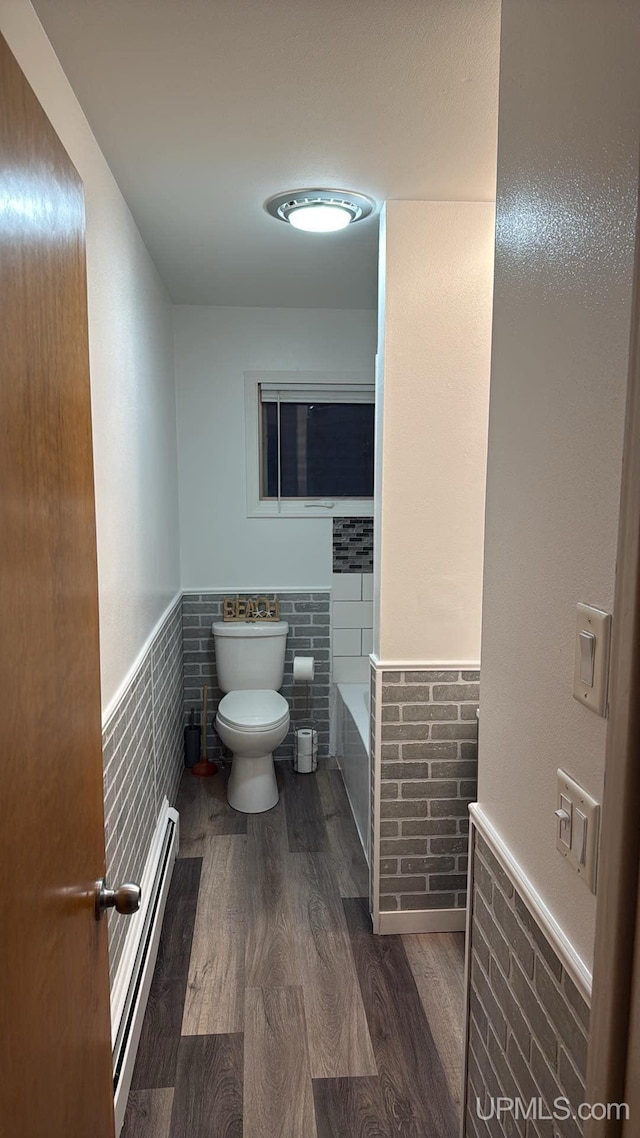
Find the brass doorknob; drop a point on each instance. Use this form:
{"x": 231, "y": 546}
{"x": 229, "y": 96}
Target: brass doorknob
{"x": 125, "y": 899}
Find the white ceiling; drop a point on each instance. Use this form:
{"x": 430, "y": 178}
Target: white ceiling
{"x": 205, "y": 108}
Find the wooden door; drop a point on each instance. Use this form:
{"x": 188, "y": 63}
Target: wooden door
{"x": 55, "y": 1057}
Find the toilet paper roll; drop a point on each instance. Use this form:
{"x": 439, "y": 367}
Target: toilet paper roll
{"x": 306, "y": 749}
{"x": 304, "y": 739}
{"x": 303, "y": 668}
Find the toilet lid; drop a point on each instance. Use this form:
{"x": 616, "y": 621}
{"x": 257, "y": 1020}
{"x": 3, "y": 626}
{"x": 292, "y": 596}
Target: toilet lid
{"x": 253, "y": 709}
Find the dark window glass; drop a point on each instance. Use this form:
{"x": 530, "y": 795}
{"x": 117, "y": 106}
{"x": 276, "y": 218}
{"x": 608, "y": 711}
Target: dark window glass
{"x": 326, "y": 450}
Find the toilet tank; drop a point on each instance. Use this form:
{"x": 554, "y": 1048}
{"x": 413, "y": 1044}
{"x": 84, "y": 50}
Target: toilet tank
{"x": 250, "y": 656}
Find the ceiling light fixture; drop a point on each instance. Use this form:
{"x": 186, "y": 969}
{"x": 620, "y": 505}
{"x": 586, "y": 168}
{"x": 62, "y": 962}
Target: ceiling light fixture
{"x": 319, "y": 211}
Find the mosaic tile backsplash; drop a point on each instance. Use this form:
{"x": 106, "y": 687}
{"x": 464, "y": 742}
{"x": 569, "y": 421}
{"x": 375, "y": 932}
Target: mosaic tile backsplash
{"x": 353, "y": 545}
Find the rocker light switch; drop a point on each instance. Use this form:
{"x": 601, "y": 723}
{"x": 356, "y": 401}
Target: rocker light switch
{"x": 591, "y": 673}
{"x": 587, "y": 657}
{"x": 578, "y": 816}
{"x": 579, "y": 837}
{"x": 564, "y": 815}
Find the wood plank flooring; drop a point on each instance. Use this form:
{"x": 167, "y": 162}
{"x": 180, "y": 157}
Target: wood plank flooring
{"x": 274, "y": 1012}
{"x": 149, "y": 1112}
{"x": 214, "y": 1001}
{"x": 439, "y": 980}
{"x": 353, "y": 1107}
{"x": 338, "y": 1034}
{"x": 208, "y": 1098}
{"x": 414, "y": 1085}
{"x": 162, "y": 1026}
{"x": 205, "y": 814}
{"x": 305, "y": 822}
{"x": 272, "y": 959}
{"x": 347, "y": 862}
{"x": 278, "y": 1089}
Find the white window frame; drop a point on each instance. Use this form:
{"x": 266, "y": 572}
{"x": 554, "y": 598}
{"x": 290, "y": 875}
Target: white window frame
{"x": 306, "y": 383}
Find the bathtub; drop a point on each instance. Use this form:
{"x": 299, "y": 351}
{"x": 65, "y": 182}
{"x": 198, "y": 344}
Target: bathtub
{"x": 352, "y": 752}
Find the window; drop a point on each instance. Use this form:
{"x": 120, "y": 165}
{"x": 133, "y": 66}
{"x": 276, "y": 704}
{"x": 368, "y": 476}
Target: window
{"x": 310, "y": 445}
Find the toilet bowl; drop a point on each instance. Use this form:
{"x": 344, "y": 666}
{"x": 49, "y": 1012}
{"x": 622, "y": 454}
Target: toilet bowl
{"x": 252, "y": 718}
{"x": 252, "y": 724}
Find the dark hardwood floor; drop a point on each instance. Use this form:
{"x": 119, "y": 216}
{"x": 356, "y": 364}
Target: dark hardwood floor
{"x": 274, "y": 1012}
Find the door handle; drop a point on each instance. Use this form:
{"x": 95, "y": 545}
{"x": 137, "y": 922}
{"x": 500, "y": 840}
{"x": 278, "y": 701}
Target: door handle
{"x": 125, "y": 899}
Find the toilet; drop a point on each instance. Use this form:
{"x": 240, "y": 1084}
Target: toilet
{"x": 252, "y": 718}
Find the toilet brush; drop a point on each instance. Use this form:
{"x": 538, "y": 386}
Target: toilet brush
{"x": 204, "y": 767}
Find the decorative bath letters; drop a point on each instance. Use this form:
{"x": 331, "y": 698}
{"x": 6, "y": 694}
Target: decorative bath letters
{"x": 250, "y": 609}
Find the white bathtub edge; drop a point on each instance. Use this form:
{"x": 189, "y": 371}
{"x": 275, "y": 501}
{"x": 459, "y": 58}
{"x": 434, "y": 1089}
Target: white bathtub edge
{"x": 352, "y": 698}
{"x": 351, "y": 701}
{"x": 359, "y": 831}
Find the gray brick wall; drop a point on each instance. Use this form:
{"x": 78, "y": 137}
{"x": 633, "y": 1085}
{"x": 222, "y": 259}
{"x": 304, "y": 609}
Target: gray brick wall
{"x": 168, "y": 724}
{"x": 528, "y": 1023}
{"x": 142, "y": 750}
{"x": 309, "y": 619}
{"x": 429, "y": 756}
{"x": 353, "y": 545}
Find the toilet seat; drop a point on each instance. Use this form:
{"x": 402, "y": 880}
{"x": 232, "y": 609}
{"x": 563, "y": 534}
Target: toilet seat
{"x": 253, "y": 710}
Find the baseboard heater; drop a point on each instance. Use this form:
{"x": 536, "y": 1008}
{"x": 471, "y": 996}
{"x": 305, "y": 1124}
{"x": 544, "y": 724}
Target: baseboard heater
{"x": 135, "y": 971}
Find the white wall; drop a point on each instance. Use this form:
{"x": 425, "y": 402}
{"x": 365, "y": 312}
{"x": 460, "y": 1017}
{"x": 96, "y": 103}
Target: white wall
{"x": 220, "y": 546}
{"x": 433, "y": 388}
{"x": 132, "y": 384}
{"x": 567, "y": 191}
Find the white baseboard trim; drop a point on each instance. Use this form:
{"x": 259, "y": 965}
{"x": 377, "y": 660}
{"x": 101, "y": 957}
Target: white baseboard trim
{"x": 425, "y": 665}
{"x": 574, "y": 964}
{"x": 467, "y": 986}
{"x": 135, "y": 970}
{"x": 423, "y": 921}
{"x": 124, "y": 685}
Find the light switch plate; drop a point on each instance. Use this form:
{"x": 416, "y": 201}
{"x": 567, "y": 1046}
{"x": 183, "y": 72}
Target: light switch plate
{"x": 592, "y": 622}
{"x": 565, "y": 820}
{"x": 581, "y": 851}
